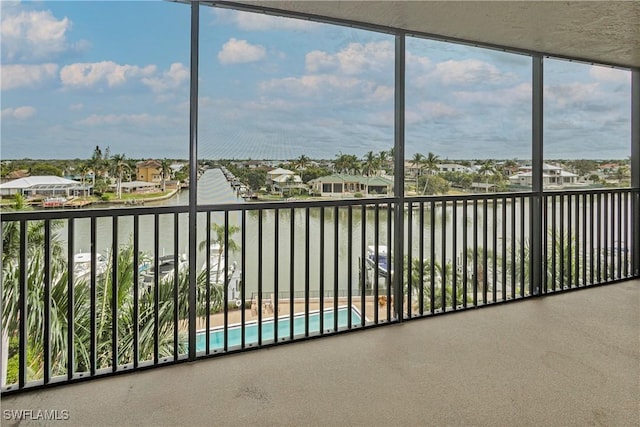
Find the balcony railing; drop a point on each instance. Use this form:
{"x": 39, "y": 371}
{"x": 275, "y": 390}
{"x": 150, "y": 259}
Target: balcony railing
{"x": 98, "y": 292}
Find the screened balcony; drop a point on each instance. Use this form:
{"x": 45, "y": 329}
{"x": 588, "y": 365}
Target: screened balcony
{"x": 245, "y": 276}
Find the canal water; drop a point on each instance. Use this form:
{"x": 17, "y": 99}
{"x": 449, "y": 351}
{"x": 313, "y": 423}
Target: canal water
{"x": 272, "y": 262}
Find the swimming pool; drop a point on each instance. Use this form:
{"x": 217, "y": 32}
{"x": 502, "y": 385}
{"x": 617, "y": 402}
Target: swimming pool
{"x": 216, "y": 336}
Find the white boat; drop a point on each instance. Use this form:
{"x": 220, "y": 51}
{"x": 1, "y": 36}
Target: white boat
{"x": 166, "y": 268}
{"x": 383, "y": 260}
{"x": 82, "y": 265}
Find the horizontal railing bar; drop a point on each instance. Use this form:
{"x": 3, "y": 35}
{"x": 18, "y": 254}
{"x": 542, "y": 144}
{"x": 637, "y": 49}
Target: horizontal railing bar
{"x": 297, "y": 204}
{"x": 148, "y": 210}
{"x": 90, "y": 213}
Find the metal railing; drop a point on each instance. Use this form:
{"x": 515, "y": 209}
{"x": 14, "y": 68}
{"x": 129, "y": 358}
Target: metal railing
{"x": 99, "y": 292}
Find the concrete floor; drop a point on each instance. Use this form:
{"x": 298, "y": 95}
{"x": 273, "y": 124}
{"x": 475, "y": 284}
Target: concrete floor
{"x": 565, "y": 360}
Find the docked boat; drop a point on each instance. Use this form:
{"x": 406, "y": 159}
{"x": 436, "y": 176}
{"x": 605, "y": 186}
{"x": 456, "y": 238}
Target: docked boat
{"x": 382, "y": 259}
{"x": 82, "y": 265}
{"x": 54, "y": 202}
{"x": 166, "y": 268}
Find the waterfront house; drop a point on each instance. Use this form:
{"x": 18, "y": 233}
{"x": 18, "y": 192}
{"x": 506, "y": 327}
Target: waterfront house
{"x": 348, "y": 185}
{"x": 552, "y": 176}
{"x": 137, "y": 187}
{"x": 45, "y": 186}
{"x": 452, "y": 167}
{"x": 149, "y": 171}
{"x": 278, "y": 175}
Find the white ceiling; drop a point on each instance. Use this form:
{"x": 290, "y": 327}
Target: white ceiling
{"x": 594, "y": 31}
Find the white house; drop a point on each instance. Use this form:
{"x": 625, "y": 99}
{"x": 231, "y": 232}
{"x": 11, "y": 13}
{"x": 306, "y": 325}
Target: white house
{"x": 343, "y": 185}
{"x": 452, "y": 167}
{"x": 551, "y": 176}
{"x": 278, "y": 175}
{"x": 45, "y": 186}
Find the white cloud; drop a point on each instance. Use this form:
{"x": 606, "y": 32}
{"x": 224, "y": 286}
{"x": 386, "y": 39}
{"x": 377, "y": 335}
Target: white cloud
{"x": 118, "y": 119}
{"x": 240, "y": 52}
{"x": 355, "y": 58}
{"x": 310, "y": 85}
{"x": 428, "y": 111}
{"x": 16, "y": 76}
{"x": 20, "y": 113}
{"x": 570, "y": 94}
{"x": 468, "y": 71}
{"x": 76, "y": 107}
{"x": 170, "y": 79}
{"x": 34, "y": 35}
{"x": 520, "y": 94}
{"x": 260, "y": 22}
{"x": 268, "y": 104}
{"x": 317, "y": 61}
{"x": 610, "y": 74}
{"x": 83, "y": 75}
{"x": 383, "y": 93}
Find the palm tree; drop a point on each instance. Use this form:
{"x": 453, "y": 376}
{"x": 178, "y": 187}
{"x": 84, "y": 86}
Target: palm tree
{"x": 418, "y": 161}
{"x": 346, "y": 163}
{"x": 383, "y": 157}
{"x": 301, "y": 162}
{"x": 107, "y": 302}
{"x": 218, "y": 239}
{"x": 119, "y": 166}
{"x": 370, "y": 164}
{"x": 487, "y": 168}
{"x": 424, "y": 280}
{"x": 83, "y": 169}
{"x": 165, "y": 171}
{"x": 430, "y": 165}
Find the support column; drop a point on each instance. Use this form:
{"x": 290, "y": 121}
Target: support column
{"x": 535, "y": 207}
{"x": 193, "y": 175}
{"x": 635, "y": 170}
{"x": 398, "y": 185}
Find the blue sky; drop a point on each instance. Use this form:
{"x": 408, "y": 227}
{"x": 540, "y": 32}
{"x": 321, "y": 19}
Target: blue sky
{"x": 80, "y": 74}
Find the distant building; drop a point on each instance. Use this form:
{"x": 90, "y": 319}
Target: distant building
{"x": 45, "y": 186}
{"x": 452, "y": 167}
{"x": 137, "y": 187}
{"x": 278, "y": 175}
{"x": 347, "y": 185}
{"x": 282, "y": 180}
{"x": 551, "y": 176}
{"x": 483, "y": 187}
{"x": 149, "y": 171}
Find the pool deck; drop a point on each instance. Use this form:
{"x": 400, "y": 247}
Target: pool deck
{"x": 571, "y": 359}
{"x": 234, "y": 317}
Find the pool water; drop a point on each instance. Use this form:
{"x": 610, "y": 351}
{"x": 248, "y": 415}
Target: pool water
{"x": 216, "y": 337}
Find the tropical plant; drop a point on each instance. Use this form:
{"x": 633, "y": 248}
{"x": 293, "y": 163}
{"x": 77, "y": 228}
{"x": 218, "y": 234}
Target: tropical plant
{"x": 110, "y": 298}
{"x": 301, "y": 162}
{"x": 119, "y": 166}
{"x": 219, "y": 240}
{"x": 370, "y": 164}
{"x": 418, "y": 162}
{"x": 430, "y": 165}
{"x": 165, "y": 172}
{"x": 487, "y": 168}
{"x": 383, "y": 157}
{"x": 346, "y": 163}
{"x": 423, "y": 282}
